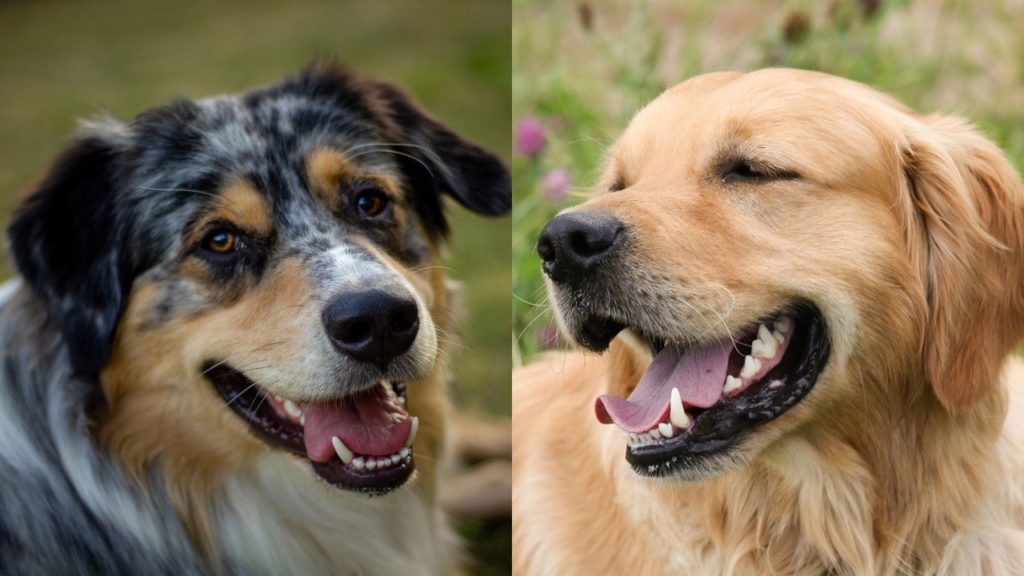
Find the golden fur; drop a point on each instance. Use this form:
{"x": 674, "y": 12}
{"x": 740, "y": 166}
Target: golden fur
{"x": 907, "y": 457}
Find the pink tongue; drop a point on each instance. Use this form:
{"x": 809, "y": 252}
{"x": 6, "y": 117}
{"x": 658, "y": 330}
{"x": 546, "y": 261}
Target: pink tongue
{"x": 698, "y": 373}
{"x": 372, "y": 423}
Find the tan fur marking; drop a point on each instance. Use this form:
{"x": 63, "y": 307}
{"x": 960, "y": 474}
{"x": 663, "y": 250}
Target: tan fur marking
{"x": 327, "y": 169}
{"x": 163, "y": 413}
{"x": 239, "y": 204}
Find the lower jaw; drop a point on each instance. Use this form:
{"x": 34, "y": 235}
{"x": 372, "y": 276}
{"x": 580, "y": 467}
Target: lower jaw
{"x": 375, "y": 483}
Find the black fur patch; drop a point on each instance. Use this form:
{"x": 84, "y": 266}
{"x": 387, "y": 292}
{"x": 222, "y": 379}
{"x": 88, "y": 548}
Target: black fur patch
{"x": 67, "y": 244}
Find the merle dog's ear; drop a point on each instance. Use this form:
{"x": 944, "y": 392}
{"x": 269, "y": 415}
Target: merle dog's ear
{"x": 64, "y": 241}
{"x": 476, "y": 178}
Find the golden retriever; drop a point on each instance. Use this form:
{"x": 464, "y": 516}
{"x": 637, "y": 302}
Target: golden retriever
{"x": 807, "y": 293}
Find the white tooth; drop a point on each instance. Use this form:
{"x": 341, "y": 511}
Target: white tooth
{"x": 779, "y": 337}
{"x": 732, "y": 384}
{"x": 383, "y": 462}
{"x": 784, "y": 324}
{"x": 404, "y": 452}
{"x": 358, "y": 463}
{"x": 302, "y": 419}
{"x": 757, "y": 349}
{"x": 371, "y": 464}
{"x": 764, "y": 348}
{"x": 343, "y": 452}
{"x": 395, "y": 458}
{"x": 750, "y": 366}
{"x": 654, "y": 434}
{"x": 292, "y": 409}
{"x": 676, "y": 413}
{"x": 764, "y": 334}
{"x": 412, "y": 431}
{"x": 666, "y": 429}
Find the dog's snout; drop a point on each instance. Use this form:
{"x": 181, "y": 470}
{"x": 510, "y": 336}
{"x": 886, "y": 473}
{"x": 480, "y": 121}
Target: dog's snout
{"x": 372, "y": 326}
{"x": 577, "y": 242}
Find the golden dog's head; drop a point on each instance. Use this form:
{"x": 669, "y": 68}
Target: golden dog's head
{"x": 786, "y": 244}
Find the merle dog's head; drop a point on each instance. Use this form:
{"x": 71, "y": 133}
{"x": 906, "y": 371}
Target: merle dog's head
{"x": 258, "y": 262}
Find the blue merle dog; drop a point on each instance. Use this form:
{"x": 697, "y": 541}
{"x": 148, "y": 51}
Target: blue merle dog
{"x": 228, "y": 334}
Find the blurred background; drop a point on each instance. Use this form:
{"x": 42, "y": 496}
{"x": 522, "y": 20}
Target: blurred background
{"x": 581, "y": 69}
{"x": 62, "y": 60}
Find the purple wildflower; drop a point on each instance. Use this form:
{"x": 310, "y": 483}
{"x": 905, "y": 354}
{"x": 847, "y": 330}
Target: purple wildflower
{"x": 530, "y": 138}
{"x": 555, "y": 185}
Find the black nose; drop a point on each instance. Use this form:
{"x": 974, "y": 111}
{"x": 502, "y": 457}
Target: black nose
{"x": 372, "y": 326}
{"x": 576, "y": 243}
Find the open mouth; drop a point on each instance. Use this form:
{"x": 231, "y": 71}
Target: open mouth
{"x": 360, "y": 442}
{"x": 694, "y": 402}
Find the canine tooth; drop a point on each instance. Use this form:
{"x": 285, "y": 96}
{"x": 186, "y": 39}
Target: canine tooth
{"x": 292, "y": 409}
{"x": 666, "y": 429}
{"x": 654, "y": 434}
{"x": 404, "y": 452}
{"x": 358, "y": 463}
{"x": 341, "y": 450}
{"x": 371, "y": 463}
{"x": 676, "y": 413}
{"x": 412, "y": 431}
{"x": 732, "y": 384}
{"x": 750, "y": 366}
{"x": 784, "y": 324}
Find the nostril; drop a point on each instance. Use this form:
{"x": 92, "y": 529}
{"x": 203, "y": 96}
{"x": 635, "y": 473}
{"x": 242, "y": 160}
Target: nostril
{"x": 353, "y": 331}
{"x": 404, "y": 321}
{"x": 586, "y": 245}
{"x": 545, "y": 248}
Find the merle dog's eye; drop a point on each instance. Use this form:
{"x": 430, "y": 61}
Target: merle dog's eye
{"x": 221, "y": 241}
{"x": 371, "y": 203}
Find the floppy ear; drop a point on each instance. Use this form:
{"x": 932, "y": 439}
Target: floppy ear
{"x": 967, "y": 238}
{"x": 64, "y": 241}
{"x": 445, "y": 162}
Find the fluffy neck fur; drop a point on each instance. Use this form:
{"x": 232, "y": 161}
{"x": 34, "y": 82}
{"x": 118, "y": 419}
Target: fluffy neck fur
{"x": 89, "y": 516}
{"x": 929, "y": 493}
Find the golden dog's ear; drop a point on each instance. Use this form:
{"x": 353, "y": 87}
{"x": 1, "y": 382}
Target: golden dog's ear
{"x": 965, "y": 229}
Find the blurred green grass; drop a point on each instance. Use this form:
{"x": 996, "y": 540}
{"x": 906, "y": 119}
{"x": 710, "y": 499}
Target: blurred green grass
{"x": 583, "y": 68}
{"x": 62, "y": 60}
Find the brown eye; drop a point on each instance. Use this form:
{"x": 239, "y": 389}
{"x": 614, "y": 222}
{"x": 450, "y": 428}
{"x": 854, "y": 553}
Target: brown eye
{"x": 371, "y": 203}
{"x": 221, "y": 241}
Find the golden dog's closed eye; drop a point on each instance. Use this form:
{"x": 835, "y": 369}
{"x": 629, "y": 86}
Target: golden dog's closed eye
{"x": 740, "y": 169}
{"x": 817, "y": 376}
